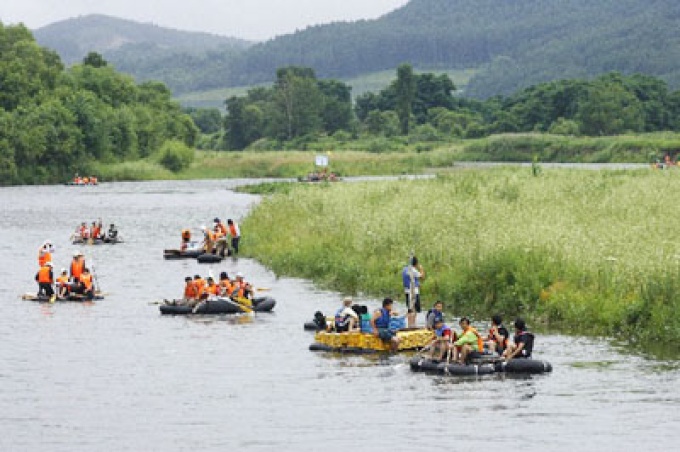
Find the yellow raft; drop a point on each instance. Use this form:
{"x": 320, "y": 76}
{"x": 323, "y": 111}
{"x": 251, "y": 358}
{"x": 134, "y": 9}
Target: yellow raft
{"x": 410, "y": 339}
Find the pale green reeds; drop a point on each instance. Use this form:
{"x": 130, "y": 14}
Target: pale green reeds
{"x": 585, "y": 251}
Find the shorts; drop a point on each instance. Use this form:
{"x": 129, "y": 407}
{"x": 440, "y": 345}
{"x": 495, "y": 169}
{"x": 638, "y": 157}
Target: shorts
{"x": 385, "y": 334}
{"x": 412, "y": 309}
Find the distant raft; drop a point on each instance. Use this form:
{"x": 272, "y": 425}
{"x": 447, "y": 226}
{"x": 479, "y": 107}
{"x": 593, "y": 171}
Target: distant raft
{"x": 485, "y": 365}
{"x": 98, "y": 241}
{"x": 182, "y": 254}
{"x": 358, "y": 342}
{"x": 70, "y": 297}
{"x": 220, "y": 305}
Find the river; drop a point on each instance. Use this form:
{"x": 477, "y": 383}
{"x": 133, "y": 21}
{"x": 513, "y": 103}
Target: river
{"x": 115, "y": 375}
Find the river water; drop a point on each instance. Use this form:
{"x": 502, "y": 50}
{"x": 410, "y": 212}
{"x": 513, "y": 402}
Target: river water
{"x": 115, "y": 375}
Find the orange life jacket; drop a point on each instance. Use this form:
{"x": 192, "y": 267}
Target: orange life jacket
{"x": 199, "y": 284}
{"x": 86, "y": 180}
{"x": 84, "y": 232}
{"x": 96, "y": 230}
{"x": 62, "y": 280}
{"x": 239, "y": 289}
{"x": 232, "y": 230}
{"x": 213, "y": 289}
{"x": 44, "y": 275}
{"x": 225, "y": 287}
{"x": 77, "y": 267}
{"x": 222, "y": 229}
{"x": 190, "y": 291}
{"x": 44, "y": 257}
{"x": 480, "y": 341}
{"x": 186, "y": 235}
{"x": 87, "y": 281}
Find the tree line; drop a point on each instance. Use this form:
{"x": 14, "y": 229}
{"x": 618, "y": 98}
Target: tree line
{"x": 425, "y": 106}
{"x": 56, "y": 121}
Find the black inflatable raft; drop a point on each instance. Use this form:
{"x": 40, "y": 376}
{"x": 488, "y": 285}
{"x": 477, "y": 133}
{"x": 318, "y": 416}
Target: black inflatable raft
{"x": 484, "y": 366}
{"x": 220, "y": 306}
{"x": 71, "y": 297}
{"x": 178, "y": 254}
{"x": 207, "y": 258}
{"x": 79, "y": 241}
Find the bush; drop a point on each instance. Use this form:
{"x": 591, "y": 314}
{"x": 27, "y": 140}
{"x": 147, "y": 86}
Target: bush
{"x": 175, "y": 156}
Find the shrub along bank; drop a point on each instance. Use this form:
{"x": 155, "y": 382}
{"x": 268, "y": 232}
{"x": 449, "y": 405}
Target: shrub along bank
{"x": 583, "y": 251}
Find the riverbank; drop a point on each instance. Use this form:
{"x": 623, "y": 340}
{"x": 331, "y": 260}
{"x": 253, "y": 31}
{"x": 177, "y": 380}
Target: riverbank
{"x": 586, "y": 252}
{"x": 398, "y": 155}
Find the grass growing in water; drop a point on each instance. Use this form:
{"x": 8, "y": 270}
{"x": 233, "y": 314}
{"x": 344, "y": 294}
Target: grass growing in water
{"x": 587, "y": 252}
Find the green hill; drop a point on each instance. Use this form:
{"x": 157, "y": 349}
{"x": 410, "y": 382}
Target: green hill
{"x": 510, "y": 44}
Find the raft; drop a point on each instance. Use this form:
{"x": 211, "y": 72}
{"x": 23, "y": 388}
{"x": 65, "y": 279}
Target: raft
{"x": 358, "y": 342}
{"x": 487, "y": 364}
{"x": 220, "y": 306}
{"x": 71, "y": 297}
{"x": 207, "y": 258}
{"x": 81, "y": 241}
{"x": 179, "y": 254}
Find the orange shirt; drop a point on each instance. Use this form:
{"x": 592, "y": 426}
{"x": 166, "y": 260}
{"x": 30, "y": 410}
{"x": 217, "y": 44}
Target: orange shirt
{"x": 44, "y": 257}
{"x": 77, "y": 267}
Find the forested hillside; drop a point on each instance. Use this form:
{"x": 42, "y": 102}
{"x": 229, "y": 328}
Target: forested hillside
{"x": 56, "y": 121}
{"x": 514, "y": 43}
{"x": 183, "y": 60}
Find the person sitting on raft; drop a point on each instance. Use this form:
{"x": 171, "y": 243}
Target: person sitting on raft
{"x": 226, "y": 287}
{"x": 199, "y": 283}
{"x": 86, "y": 284}
{"x": 111, "y": 234}
{"x": 63, "y": 284}
{"x": 45, "y": 279}
{"x": 77, "y": 266}
{"x": 381, "y": 324}
{"x": 96, "y": 230}
{"x": 241, "y": 288}
{"x": 470, "y": 344}
{"x": 443, "y": 342}
{"x": 437, "y": 312}
{"x": 208, "y": 240}
{"x": 211, "y": 288}
{"x": 83, "y": 231}
{"x": 221, "y": 242}
{"x": 346, "y": 319}
{"x": 497, "y": 339}
{"x": 524, "y": 342}
{"x": 186, "y": 239}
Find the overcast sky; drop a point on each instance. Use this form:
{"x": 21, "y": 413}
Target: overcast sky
{"x": 248, "y": 19}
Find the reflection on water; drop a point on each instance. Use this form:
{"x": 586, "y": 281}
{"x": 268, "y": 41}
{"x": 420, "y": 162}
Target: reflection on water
{"x": 116, "y": 375}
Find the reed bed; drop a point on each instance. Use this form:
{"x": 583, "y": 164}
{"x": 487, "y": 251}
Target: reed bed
{"x": 586, "y": 252}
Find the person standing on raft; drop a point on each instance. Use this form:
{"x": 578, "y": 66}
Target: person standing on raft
{"x": 45, "y": 279}
{"x": 235, "y": 233}
{"x": 411, "y": 276}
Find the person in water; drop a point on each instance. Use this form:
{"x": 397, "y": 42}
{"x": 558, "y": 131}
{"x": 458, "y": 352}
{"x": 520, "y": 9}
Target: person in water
{"x": 470, "y": 344}
{"x": 346, "y": 319}
{"x": 45, "y": 279}
{"x": 434, "y": 314}
{"x": 523, "y": 344}
{"x": 411, "y": 276}
{"x": 380, "y": 321}
{"x": 497, "y": 339}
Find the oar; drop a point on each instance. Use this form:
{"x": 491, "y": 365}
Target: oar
{"x": 244, "y": 303}
{"x": 263, "y": 289}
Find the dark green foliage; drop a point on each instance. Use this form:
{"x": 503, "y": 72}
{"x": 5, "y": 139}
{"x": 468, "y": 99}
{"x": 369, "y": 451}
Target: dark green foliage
{"x": 208, "y": 120}
{"x": 175, "y": 155}
{"x": 55, "y": 122}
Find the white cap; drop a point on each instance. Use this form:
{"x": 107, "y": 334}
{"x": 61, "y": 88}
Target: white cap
{"x": 49, "y": 264}
{"x": 77, "y": 253}
{"x": 239, "y": 275}
{"x": 63, "y": 270}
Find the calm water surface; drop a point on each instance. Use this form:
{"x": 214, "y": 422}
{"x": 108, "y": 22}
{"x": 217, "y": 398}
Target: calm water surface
{"x": 116, "y": 376}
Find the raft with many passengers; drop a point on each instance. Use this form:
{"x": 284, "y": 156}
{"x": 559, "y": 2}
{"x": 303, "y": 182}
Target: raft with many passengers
{"x": 70, "y": 297}
{"x": 220, "y": 305}
{"x": 97, "y": 241}
{"x": 484, "y": 365}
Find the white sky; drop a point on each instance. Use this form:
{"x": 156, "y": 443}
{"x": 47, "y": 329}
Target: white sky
{"x": 247, "y": 19}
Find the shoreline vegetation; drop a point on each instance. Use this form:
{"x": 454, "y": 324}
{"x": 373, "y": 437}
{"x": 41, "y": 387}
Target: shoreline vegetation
{"x": 581, "y": 252}
{"x": 398, "y": 155}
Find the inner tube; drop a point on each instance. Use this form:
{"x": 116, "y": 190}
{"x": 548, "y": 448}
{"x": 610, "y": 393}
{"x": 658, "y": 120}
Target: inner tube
{"x": 177, "y": 254}
{"x": 207, "y": 258}
{"x": 219, "y": 306}
{"x": 524, "y": 366}
{"x": 421, "y": 364}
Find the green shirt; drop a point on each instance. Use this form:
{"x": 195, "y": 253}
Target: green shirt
{"x": 469, "y": 337}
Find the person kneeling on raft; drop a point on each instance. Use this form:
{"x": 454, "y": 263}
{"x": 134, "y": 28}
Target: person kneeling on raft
{"x": 381, "y": 324}
{"x": 524, "y": 342}
{"x": 346, "y": 319}
{"x": 470, "y": 344}
{"x": 443, "y": 342}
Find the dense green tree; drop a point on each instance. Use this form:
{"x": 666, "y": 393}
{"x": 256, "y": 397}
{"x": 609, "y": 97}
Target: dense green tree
{"x": 405, "y": 87}
{"x": 94, "y": 59}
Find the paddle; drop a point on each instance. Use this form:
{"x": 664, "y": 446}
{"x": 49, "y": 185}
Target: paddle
{"x": 244, "y": 303}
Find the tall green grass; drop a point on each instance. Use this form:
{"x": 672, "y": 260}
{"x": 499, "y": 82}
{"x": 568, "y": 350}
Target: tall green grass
{"x": 586, "y": 252}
